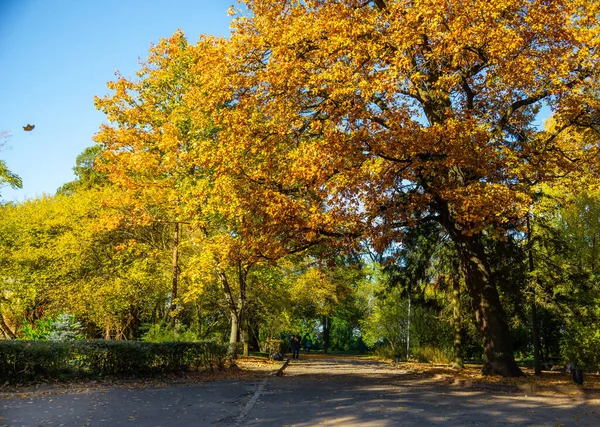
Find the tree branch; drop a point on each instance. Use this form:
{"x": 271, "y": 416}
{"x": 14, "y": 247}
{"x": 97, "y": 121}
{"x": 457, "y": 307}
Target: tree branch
{"x": 380, "y": 4}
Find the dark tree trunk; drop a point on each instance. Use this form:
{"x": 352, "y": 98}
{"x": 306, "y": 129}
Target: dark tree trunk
{"x": 326, "y": 331}
{"x": 491, "y": 320}
{"x": 253, "y": 338}
{"x": 456, "y": 319}
{"x": 537, "y": 363}
{"x": 535, "y": 327}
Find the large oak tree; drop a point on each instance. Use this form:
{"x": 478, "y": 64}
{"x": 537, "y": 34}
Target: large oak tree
{"x": 393, "y": 113}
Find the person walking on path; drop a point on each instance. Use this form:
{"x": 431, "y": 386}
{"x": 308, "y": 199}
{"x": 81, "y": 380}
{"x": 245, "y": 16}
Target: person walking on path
{"x": 296, "y": 346}
{"x": 307, "y": 343}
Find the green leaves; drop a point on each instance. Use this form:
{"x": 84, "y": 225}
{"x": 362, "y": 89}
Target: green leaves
{"x": 8, "y": 177}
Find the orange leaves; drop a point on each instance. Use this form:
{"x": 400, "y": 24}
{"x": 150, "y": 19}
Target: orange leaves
{"x": 424, "y": 103}
{"x": 480, "y": 204}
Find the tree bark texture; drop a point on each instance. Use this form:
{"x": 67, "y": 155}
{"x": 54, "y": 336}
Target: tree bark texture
{"x": 485, "y": 300}
{"x": 6, "y": 329}
{"x": 235, "y": 328}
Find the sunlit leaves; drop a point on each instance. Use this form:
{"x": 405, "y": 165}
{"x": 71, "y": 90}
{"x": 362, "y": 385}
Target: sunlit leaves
{"x": 402, "y": 112}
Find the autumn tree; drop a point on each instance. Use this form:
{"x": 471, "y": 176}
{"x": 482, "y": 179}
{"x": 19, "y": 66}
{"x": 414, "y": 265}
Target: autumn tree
{"x": 163, "y": 164}
{"x": 163, "y": 149}
{"x": 144, "y": 149}
{"x": 57, "y": 255}
{"x": 394, "y": 113}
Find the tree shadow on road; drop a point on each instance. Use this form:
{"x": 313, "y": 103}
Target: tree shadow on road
{"x": 355, "y": 391}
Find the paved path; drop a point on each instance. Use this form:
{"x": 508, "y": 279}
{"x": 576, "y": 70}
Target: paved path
{"x": 343, "y": 391}
{"x": 354, "y": 392}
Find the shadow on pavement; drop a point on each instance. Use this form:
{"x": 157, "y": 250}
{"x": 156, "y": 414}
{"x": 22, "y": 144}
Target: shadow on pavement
{"x": 353, "y": 391}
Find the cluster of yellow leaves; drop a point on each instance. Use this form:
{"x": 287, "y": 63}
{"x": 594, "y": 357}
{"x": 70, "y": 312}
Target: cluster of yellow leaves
{"x": 55, "y": 256}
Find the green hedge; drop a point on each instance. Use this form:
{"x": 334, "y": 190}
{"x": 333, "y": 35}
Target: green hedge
{"x": 22, "y": 361}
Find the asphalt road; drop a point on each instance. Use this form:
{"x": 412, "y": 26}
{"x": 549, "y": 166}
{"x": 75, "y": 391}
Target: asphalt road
{"x": 313, "y": 391}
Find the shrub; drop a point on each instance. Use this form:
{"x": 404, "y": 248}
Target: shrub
{"x": 431, "y": 354}
{"x": 581, "y": 344}
{"x": 23, "y": 361}
{"x": 65, "y": 328}
{"x": 384, "y": 351}
{"x": 167, "y": 333}
{"x": 39, "y": 330}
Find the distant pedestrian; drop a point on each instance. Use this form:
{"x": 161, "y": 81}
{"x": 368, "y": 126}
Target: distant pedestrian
{"x": 296, "y": 346}
{"x": 308, "y": 344}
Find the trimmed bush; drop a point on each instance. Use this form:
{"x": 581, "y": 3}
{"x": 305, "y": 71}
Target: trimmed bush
{"x": 23, "y": 361}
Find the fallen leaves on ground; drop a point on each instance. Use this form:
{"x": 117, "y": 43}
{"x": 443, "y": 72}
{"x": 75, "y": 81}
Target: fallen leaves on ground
{"x": 243, "y": 368}
{"x": 473, "y": 373}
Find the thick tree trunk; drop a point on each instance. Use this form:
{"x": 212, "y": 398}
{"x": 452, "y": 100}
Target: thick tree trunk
{"x": 234, "y": 334}
{"x": 235, "y": 328}
{"x": 497, "y": 343}
{"x": 456, "y": 320}
{"x": 245, "y": 341}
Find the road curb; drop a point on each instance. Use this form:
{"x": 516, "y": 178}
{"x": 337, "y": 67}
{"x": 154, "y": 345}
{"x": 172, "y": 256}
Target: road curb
{"x": 520, "y": 388}
{"x": 279, "y": 371}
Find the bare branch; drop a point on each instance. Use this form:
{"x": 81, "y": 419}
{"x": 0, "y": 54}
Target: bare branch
{"x": 380, "y": 4}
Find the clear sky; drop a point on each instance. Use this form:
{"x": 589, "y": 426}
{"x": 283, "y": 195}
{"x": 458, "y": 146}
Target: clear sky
{"x": 56, "y": 55}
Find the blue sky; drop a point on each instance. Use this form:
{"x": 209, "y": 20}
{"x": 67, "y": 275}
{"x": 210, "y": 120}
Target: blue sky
{"x": 56, "y": 55}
